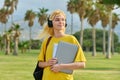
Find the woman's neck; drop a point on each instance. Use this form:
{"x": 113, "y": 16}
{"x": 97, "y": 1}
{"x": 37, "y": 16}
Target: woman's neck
{"x": 58, "y": 34}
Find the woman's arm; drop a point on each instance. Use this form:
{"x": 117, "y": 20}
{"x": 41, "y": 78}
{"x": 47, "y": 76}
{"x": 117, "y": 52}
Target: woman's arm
{"x": 70, "y": 66}
{"x": 48, "y": 63}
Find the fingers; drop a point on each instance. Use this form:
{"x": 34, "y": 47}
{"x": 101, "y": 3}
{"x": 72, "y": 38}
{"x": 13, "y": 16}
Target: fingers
{"x": 52, "y": 61}
{"x": 55, "y": 68}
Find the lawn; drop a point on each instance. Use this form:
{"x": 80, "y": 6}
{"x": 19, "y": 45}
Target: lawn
{"x": 100, "y": 68}
{"x": 21, "y": 67}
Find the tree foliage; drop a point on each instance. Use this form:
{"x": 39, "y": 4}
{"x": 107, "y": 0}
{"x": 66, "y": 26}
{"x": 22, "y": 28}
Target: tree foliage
{"x": 111, "y": 2}
{"x": 87, "y": 43}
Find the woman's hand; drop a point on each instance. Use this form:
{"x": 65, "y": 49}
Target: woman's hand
{"x": 56, "y": 68}
{"x": 51, "y": 62}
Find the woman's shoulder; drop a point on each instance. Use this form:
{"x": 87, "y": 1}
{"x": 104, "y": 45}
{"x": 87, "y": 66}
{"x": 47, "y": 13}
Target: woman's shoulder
{"x": 45, "y": 39}
{"x": 70, "y": 36}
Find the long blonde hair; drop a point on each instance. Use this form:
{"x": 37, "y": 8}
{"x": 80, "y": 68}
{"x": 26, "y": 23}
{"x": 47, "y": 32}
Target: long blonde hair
{"x": 47, "y": 31}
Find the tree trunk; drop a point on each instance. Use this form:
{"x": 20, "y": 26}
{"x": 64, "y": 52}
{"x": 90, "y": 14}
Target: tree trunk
{"x": 7, "y": 47}
{"x": 15, "y": 52}
{"x": 94, "y": 41}
{"x": 30, "y": 42}
{"x": 81, "y": 34}
{"x": 104, "y": 42}
{"x": 109, "y": 36}
{"x": 112, "y": 42}
{"x": 71, "y": 23}
{"x": 5, "y": 44}
{"x": 87, "y": 49}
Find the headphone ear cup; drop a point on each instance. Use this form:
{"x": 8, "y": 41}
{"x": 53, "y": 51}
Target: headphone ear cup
{"x": 50, "y": 23}
{"x": 66, "y": 25}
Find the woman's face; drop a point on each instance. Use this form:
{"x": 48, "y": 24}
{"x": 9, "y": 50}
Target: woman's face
{"x": 59, "y": 22}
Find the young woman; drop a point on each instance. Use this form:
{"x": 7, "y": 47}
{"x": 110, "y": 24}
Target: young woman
{"x": 56, "y": 29}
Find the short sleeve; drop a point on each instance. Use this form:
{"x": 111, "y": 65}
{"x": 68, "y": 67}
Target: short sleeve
{"x": 80, "y": 54}
{"x": 42, "y": 51}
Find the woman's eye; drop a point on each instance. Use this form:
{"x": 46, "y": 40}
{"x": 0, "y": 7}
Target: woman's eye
{"x": 57, "y": 20}
{"x": 63, "y": 19}
{"x": 60, "y": 20}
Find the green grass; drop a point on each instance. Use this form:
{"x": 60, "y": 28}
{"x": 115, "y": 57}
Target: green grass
{"x": 100, "y": 68}
{"x": 22, "y": 66}
{"x": 18, "y": 67}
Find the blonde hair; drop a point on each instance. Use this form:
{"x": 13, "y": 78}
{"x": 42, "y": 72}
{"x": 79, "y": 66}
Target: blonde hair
{"x": 47, "y": 31}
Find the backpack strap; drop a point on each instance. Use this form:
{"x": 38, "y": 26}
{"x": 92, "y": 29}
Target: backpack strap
{"x": 47, "y": 46}
{"x": 48, "y": 42}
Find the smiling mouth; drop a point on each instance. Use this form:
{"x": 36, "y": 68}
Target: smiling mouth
{"x": 60, "y": 25}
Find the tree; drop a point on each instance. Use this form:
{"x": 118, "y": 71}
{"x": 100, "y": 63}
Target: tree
{"x": 115, "y": 20}
{"x": 109, "y": 4}
{"x": 8, "y": 8}
{"x": 16, "y": 34}
{"x": 87, "y": 43}
{"x": 10, "y": 5}
{"x": 1, "y": 42}
{"x": 24, "y": 45}
{"x": 7, "y": 38}
{"x": 30, "y": 16}
{"x": 13, "y": 6}
{"x": 93, "y": 19}
{"x": 3, "y": 20}
{"x": 42, "y": 16}
{"x": 109, "y": 8}
{"x": 3, "y": 17}
{"x": 82, "y": 8}
{"x": 104, "y": 21}
{"x": 71, "y": 9}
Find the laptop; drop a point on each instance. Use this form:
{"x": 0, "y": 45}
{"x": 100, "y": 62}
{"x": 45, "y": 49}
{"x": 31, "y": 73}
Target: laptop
{"x": 66, "y": 53}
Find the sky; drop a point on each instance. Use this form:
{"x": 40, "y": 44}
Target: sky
{"x": 24, "y": 5}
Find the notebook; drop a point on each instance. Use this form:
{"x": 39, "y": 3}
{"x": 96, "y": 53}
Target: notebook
{"x": 66, "y": 53}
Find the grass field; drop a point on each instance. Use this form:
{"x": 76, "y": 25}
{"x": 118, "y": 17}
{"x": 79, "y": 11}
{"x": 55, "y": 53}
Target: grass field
{"x": 21, "y": 67}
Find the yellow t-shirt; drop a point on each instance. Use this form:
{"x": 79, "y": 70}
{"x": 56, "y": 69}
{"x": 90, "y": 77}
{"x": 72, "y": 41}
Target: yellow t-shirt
{"x": 48, "y": 74}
